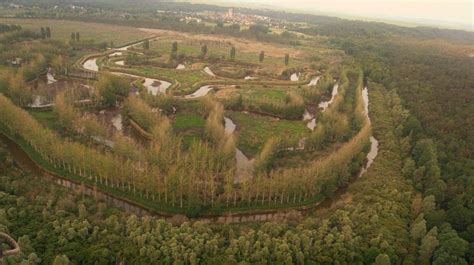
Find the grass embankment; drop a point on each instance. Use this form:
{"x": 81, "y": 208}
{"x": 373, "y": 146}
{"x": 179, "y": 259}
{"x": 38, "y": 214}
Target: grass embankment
{"x": 250, "y": 92}
{"x": 217, "y": 49}
{"x": 46, "y": 118}
{"x": 254, "y": 130}
{"x": 189, "y": 125}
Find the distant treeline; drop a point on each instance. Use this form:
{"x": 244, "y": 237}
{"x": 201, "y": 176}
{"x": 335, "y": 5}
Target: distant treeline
{"x": 324, "y": 25}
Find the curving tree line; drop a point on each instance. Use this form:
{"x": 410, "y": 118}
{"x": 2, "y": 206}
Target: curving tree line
{"x": 167, "y": 176}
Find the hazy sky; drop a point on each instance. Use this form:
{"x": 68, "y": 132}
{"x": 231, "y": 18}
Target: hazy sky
{"x": 460, "y": 12}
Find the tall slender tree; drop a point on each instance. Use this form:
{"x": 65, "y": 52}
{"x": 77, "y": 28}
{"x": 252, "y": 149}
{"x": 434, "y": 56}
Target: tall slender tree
{"x": 146, "y": 44}
{"x": 203, "y": 51}
{"x": 232, "y": 53}
{"x": 174, "y": 47}
{"x": 174, "y": 50}
{"x": 261, "y": 56}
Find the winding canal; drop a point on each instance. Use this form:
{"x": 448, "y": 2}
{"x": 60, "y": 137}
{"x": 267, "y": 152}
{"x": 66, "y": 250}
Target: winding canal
{"x": 244, "y": 166}
{"x": 202, "y": 91}
{"x": 91, "y": 65}
{"x": 325, "y": 104}
{"x": 374, "y": 143}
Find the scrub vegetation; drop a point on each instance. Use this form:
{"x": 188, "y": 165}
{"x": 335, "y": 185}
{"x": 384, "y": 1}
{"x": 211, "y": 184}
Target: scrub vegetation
{"x": 298, "y": 139}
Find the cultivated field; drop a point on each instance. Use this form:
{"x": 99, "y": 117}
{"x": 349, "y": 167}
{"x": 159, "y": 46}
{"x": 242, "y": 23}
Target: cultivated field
{"x": 62, "y": 29}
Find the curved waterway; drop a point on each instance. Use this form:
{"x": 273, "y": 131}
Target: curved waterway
{"x": 208, "y": 71}
{"x": 202, "y": 91}
{"x": 91, "y": 65}
{"x": 117, "y": 122}
{"x": 325, "y": 104}
{"x": 374, "y": 144}
{"x": 374, "y": 150}
{"x": 309, "y": 117}
{"x": 50, "y": 78}
{"x": 154, "y": 86}
{"x": 229, "y": 126}
{"x": 314, "y": 81}
{"x": 40, "y": 102}
{"x": 244, "y": 165}
{"x": 180, "y": 67}
{"x": 295, "y": 77}
{"x": 115, "y": 54}
{"x": 124, "y": 48}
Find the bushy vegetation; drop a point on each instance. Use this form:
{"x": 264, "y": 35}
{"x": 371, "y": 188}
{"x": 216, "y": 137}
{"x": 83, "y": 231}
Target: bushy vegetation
{"x": 356, "y": 233}
{"x": 291, "y": 107}
{"x": 412, "y": 206}
{"x": 110, "y": 90}
{"x": 435, "y": 91}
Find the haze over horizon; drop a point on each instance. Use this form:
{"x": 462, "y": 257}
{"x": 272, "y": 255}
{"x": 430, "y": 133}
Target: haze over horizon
{"x": 459, "y": 14}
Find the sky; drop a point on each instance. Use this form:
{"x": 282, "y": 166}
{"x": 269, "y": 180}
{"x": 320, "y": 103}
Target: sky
{"x": 455, "y": 13}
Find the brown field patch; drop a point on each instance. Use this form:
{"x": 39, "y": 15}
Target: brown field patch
{"x": 61, "y": 29}
{"x": 241, "y": 44}
{"x": 226, "y": 93}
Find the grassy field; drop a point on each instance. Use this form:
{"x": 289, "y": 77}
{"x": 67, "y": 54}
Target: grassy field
{"x": 251, "y": 93}
{"x": 61, "y": 29}
{"x": 186, "y": 77}
{"x": 46, "y": 118}
{"x": 273, "y": 62}
{"x": 4, "y": 69}
{"x": 254, "y": 130}
{"x": 188, "y": 125}
{"x": 183, "y": 121}
{"x": 271, "y": 94}
{"x": 243, "y": 45}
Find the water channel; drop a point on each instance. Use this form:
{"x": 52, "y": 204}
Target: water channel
{"x": 374, "y": 144}
{"x": 295, "y": 77}
{"x": 244, "y": 165}
{"x": 325, "y": 104}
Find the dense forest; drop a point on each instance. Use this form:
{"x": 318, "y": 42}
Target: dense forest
{"x": 414, "y": 205}
{"x": 378, "y": 223}
{"x": 435, "y": 80}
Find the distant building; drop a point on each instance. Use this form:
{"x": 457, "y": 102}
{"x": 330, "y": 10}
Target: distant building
{"x": 230, "y": 13}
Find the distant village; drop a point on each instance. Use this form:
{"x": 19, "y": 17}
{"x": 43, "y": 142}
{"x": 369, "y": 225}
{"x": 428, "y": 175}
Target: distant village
{"x": 231, "y": 17}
